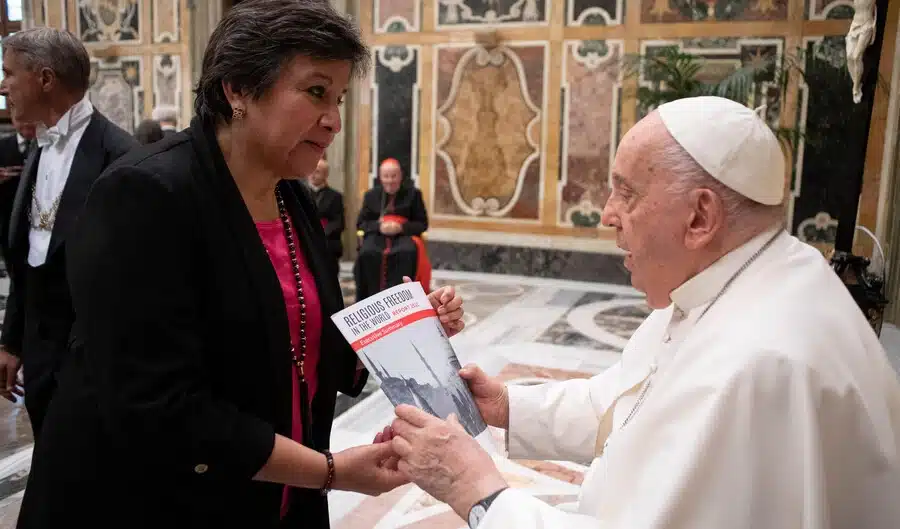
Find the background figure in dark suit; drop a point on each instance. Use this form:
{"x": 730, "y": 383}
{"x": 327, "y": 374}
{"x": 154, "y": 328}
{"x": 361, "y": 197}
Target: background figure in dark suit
{"x": 393, "y": 218}
{"x": 167, "y": 117}
{"x": 147, "y": 132}
{"x": 46, "y": 83}
{"x": 13, "y": 152}
{"x": 330, "y": 204}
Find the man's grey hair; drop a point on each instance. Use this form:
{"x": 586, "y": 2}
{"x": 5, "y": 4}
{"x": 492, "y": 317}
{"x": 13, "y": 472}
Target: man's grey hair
{"x": 165, "y": 113}
{"x": 58, "y": 50}
{"x": 740, "y": 211}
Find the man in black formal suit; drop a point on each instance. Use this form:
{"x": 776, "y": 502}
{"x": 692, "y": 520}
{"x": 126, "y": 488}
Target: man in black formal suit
{"x": 45, "y": 82}
{"x": 13, "y": 151}
{"x": 330, "y": 204}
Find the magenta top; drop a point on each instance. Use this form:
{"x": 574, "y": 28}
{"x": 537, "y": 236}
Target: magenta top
{"x": 273, "y": 238}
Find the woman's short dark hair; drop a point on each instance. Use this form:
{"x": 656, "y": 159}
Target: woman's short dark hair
{"x": 257, "y": 37}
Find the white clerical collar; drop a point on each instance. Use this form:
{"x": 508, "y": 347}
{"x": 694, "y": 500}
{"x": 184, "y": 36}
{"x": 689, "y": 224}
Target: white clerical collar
{"x": 78, "y": 115}
{"x": 703, "y": 287}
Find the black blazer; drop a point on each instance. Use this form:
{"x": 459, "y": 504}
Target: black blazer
{"x": 10, "y": 155}
{"x": 330, "y": 204}
{"x": 181, "y": 370}
{"x": 37, "y": 322}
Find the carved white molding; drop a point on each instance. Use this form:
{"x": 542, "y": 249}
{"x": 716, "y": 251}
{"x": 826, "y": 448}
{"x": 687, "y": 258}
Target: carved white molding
{"x": 611, "y": 19}
{"x": 165, "y": 36}
{"x": 167, "y": 83}
{"x": 459, "y": 14}
{"x": 395, "y": 64}
{"x": 820, "y": 222}
{"x": 408, "y": 25}
{"x": 822, "y": 14}
{"x": 125, "y": 12}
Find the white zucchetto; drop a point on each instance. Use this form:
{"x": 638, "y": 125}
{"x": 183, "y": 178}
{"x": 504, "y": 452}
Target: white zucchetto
{"x": 731, "y": 142}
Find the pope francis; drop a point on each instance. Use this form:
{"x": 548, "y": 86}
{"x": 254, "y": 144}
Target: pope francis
{"x": 755, "y": 396}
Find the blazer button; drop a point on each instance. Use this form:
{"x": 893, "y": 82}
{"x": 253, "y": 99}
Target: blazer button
{"x": 201, "y": 468}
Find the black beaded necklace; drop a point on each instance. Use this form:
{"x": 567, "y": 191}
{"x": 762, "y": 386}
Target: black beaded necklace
{"x": 297, "y": 358}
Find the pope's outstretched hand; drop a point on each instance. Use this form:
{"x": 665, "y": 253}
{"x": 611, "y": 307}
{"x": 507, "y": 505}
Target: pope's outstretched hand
{"x": 490, "y": 395}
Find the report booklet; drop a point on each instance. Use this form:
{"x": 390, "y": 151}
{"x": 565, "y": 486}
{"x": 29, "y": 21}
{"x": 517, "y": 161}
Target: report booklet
{"x": 399, "y": 338}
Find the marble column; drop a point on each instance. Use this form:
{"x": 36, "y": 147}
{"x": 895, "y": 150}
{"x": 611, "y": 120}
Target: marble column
{"x": 342, "y": 156}
{"x": 205, "y": 14}
{"x": 891, "y": 238}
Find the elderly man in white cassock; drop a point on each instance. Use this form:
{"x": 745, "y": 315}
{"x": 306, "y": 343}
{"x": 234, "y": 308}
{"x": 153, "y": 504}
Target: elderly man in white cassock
{"x": 755, "y": 396}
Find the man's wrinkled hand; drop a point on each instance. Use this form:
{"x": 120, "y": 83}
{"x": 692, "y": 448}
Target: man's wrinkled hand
{"x": 390, "y": 228}
{"x": 490, "y": 395}
{"x": 443, "y": 460}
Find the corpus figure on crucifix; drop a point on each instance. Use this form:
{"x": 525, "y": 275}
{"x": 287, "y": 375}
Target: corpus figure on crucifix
{"x": 392, "y": 220}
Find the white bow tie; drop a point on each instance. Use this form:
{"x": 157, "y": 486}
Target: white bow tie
{"x": 47, "y": 137}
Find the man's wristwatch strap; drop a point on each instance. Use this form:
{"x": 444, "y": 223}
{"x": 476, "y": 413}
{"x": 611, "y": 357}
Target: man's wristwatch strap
{"x": 479, "y": 510}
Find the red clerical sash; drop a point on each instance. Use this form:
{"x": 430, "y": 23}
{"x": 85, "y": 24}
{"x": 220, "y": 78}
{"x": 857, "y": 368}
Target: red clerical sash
{"x": 423, "y": 264}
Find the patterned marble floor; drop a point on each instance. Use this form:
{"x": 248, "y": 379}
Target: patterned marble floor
{"x": 523, "y": 330}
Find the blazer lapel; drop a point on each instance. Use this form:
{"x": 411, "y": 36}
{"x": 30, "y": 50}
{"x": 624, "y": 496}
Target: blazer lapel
{"x": 18, "y": 221}
{"x": 259, "y": 270}
{"x": 87, "y": 165}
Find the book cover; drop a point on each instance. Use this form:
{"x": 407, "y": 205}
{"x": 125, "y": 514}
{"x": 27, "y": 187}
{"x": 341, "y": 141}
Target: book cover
{"x": 399, "y": 338}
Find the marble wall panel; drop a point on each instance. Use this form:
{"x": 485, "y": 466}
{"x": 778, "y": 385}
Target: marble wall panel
{"x": 109, "y": 21}
{"x": 592, "y": 88}
{"x": 455, "y": 13}
{"x": 831, "y": 122}
{"x": 167, "y": 81}
{"x": 595, "y": 12}
{"x": 531, "y": 262}
{"x": 489, "y": 132}
{"x": 829, "y": 9}
{"x": 53, "y": 13}
{"x": 116, "y": 90}
{"x": 668, "y": 11}
{"x": 395, "y": 112}
{"x": 722, "y": 57}
{"x": 166, "y": 20}
{"x": 391, "y": 16}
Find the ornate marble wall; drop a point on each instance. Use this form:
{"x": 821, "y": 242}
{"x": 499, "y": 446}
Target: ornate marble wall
{"x": 489, "y": 132}
{"x": 139, "y": 52}
{"x": 507, "y": 113}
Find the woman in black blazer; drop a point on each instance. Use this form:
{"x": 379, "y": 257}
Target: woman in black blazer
{"x": 203, "y": 349}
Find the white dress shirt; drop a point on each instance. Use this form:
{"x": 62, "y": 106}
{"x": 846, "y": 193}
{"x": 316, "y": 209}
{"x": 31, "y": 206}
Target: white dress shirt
{"x": 23, "y": 143}
{"x": 58, "y": 144}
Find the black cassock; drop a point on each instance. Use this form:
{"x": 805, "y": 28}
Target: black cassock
{"x": 330, "y": 204}
{"x": 376, "y": 269}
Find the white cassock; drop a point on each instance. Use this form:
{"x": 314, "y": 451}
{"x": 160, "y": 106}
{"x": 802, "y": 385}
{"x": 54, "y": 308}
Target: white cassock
{"x": 777, "y": 410}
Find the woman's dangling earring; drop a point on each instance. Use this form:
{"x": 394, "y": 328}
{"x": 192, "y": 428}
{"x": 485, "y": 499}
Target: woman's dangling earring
{"x": 238, "y": 113}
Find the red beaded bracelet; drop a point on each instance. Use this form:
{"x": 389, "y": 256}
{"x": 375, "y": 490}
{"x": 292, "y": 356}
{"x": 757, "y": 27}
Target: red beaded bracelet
{"x": 330, "y": 480}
